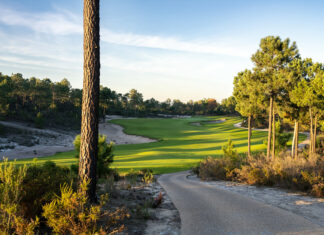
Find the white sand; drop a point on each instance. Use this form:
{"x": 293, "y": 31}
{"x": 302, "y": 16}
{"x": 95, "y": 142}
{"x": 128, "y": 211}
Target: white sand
{"x": 54, "y": 141}
{"x": 212, "y": 122}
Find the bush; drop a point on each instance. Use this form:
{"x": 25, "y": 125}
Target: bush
{"x": 221, "y": 168}
{"x": 39, "y": 120}
{"x": 11, "y": 216}
{"x": 71, "y": 214}
{"x": 40, "y": 185}
{"x": 148, "y": 176}
{"x": 305, "y": 173}
{"x": 105, "y": 155}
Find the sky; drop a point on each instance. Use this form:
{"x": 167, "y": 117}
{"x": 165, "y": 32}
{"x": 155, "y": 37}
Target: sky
{"x": 178, "y": 49}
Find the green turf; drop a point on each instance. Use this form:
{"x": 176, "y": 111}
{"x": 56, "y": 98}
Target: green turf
{"x": 180, "y": 145}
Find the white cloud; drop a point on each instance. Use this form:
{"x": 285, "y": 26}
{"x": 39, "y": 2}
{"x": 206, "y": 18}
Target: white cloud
{"x": 170, "y": 43}
{"x": 168, "y": 65}
{"x": 62, "y": 22}
{"x": 58, "y": 23}
{"x": 52, "y": 47}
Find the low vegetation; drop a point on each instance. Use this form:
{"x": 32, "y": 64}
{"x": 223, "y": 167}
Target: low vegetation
{"x": 304, "y": 173}
{"x": 43, "y": 198}
{"x": 71, "y": 213}
{"x": 50, "y": 202}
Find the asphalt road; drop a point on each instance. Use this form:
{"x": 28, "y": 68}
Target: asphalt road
{"x": 208, "y": 210}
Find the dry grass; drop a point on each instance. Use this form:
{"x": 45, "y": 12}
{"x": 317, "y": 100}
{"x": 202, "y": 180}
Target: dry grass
{"x": 305, "y": 173}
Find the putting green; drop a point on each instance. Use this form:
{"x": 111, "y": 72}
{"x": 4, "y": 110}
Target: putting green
{"x": 180, "y": 144}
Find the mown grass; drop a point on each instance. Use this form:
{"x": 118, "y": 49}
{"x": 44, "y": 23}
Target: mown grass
{"x": 180, "y": 145}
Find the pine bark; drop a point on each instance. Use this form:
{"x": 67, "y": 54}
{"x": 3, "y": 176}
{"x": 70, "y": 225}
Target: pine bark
{"x": 296, "y": 140}
{"x": 314, "y": 135}
{"x": 270, "y": 128}
{"x": 249, "y": 136}
{"x": 90, "y": 97}
{"x": 273, "y": 133}
{"x": 311, "y": 131}
{"x": 293, "y": 143}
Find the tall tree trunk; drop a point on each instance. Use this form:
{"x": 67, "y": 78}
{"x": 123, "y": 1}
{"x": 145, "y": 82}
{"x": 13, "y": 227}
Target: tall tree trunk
{"x": 296, "y": 139}
{"x": 273, "y": 133}
{"x": 90, "y": 97}
{"x": 293, "y": 143}
{"x": 314, "y": 135}
{"x": 311, "y": 131}
{"x": 249, "y": 136}
{"x": 270, "y": 128}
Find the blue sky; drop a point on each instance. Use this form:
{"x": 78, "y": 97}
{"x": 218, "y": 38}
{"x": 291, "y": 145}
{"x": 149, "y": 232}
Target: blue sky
{"x": 186, "y": 49}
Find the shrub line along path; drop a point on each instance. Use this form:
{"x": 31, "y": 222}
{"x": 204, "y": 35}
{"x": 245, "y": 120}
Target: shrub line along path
{"x": 206, "y": 209}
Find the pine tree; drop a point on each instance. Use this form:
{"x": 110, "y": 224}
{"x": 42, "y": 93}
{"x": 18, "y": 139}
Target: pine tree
{"x": 248, "y": 98}
{"x": 273, "y": 56}
{"x": 90, "y": 97}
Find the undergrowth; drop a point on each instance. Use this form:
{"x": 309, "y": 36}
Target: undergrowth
{"x": 304, "y": 173}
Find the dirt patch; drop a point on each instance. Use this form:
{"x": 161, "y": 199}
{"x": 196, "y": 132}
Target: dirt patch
{"x": 310, "y": 208}
{"x": 164, "y": 219}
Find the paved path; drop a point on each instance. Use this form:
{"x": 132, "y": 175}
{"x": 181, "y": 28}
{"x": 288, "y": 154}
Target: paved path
{"x": 208, "y": 210}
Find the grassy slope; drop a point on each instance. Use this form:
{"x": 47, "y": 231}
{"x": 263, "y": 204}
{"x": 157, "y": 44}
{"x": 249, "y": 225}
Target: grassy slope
{"x": 180, "y": 144}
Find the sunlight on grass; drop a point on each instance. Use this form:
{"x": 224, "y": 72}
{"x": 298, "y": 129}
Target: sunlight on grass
{"x": 180, "y": 147}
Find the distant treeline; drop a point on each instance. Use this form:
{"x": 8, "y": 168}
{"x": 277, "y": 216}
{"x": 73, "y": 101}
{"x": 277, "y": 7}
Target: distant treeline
{"x": 57, "y": 103}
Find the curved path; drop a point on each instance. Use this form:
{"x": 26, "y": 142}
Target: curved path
{"x": 208, "y": 210}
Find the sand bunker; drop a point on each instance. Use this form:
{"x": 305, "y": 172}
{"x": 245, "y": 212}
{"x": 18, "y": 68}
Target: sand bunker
{"x": 46, "y": 142}
{"x": 116, "y": 134}
{"x": 209, "y": 122}
{"x": 195, "y": 123}
{"x": 216, "y": 121}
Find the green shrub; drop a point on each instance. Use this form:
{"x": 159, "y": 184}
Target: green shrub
{"x": 11, "y": 216}
{"x": 70, "y": 213}
{"x": 223, "y": 168}
{"x": 105, "y": 155}
{"x": 148, "y": 176}
{"x": 40, "y": 185}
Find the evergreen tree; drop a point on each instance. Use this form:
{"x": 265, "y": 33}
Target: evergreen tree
{"x": 271, "y": 58}
{"x": 248, "y": 98}
{"x": 90, "y": 97}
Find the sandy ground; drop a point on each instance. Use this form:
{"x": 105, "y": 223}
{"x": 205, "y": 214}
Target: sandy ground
{"x": 195, "y": 123}
{"x": 46, "y": 141}
{"x": 49, "y": 141}
{"x": 216, "y": 121}
{"x": 167, "y": 219}
{"x": 301, "y": 145}
{"x": 116, "y": 134}
{"x": 310, "y": 208}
